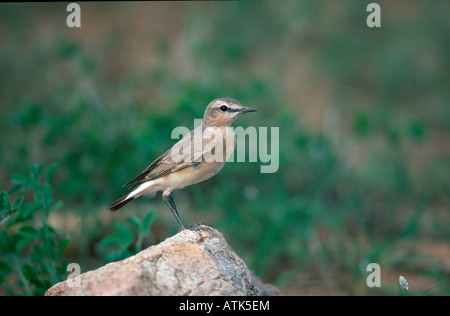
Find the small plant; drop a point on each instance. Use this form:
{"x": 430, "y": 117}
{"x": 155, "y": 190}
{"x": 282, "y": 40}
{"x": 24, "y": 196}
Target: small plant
{"x": 30, "y": 249}
{"x": 403, "y": 282}
{"x": 129, "y": 238}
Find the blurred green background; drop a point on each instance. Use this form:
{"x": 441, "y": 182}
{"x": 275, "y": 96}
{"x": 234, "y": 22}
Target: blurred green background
{"x": 363, "y": 117}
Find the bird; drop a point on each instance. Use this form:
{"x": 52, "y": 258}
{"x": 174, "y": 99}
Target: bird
{"x": 176, "y": 169}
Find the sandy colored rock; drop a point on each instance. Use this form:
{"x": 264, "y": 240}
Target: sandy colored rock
{"x": 189, "y": 263}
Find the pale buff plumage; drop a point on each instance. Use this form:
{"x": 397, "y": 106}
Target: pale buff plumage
{"x": 168, "y": 173}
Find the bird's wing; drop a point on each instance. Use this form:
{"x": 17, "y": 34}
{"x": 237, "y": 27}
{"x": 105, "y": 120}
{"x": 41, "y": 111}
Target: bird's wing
{"x": 183, "y": 154}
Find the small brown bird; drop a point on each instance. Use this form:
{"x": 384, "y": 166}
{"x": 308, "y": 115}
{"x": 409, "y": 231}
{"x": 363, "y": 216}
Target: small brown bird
{"x": 174, "y": 170}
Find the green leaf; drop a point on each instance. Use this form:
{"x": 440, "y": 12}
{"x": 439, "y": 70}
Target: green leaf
{"x": 22, "y": 243}
{"x": 19, "y": 178}
{"x": 5, "y": 204}
{"x": 8, "y": 243}
{"x": 126, "y": 233}
{"x": 28, "y": 272}
{"x": 135, "y": 221}
{"x": 3, "y": 213}
{"x": 4, "y": 268}
{"x": 18, "y": 202}
{"x": 68, "y": 49}
{"x": 39, "y": 198}
{"x": 148, "y": 219}
{"x": 17, "y": 219}
{"x": 38, "y": 251}
{"x": 109, "y": 240}
{"x": 16, "y": 188}
{"x": 28, "y": 231}
{"x": 49, "y": 172}
{"x": 62, "y": 245}
{"x": 36, "y": 170}
{"x": 56, "y": 205}
{"x": 28, "y": 209}
{"x": 48, "y": 195}
{"x": 125, "y": 236}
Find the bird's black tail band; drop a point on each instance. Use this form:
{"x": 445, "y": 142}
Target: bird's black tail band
{"x": 115, "y": 206}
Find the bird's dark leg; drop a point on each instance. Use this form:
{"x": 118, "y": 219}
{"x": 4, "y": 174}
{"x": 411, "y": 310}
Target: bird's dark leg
{"x": 168, "y": 199}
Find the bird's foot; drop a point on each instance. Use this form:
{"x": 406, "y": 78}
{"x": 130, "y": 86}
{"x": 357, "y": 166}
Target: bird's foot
{"x": 200, "y": 226}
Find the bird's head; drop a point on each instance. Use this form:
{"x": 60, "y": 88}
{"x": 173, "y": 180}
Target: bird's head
{"x": 224, "y": 111}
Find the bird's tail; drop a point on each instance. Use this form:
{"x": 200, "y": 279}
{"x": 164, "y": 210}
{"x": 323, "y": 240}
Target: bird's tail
{"x": 142, "y": 189}
{"x": 118, "y": 204}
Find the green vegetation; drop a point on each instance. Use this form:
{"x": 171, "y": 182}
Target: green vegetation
{"x": 32, "y": 249}
{"x": 363, "y": 121}
{"x": 125, "y": 244}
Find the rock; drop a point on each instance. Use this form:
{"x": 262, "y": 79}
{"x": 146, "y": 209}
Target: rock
{"x": 192, "y": 262}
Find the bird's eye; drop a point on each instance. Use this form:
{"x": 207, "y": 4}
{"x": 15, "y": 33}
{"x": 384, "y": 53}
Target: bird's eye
{"x": 224, "y": 108}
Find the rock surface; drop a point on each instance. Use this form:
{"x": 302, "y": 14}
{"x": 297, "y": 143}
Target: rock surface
{"x": 190, "y": 263}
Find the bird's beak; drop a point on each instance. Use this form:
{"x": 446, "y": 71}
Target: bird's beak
{"x": 247, "y": 110}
